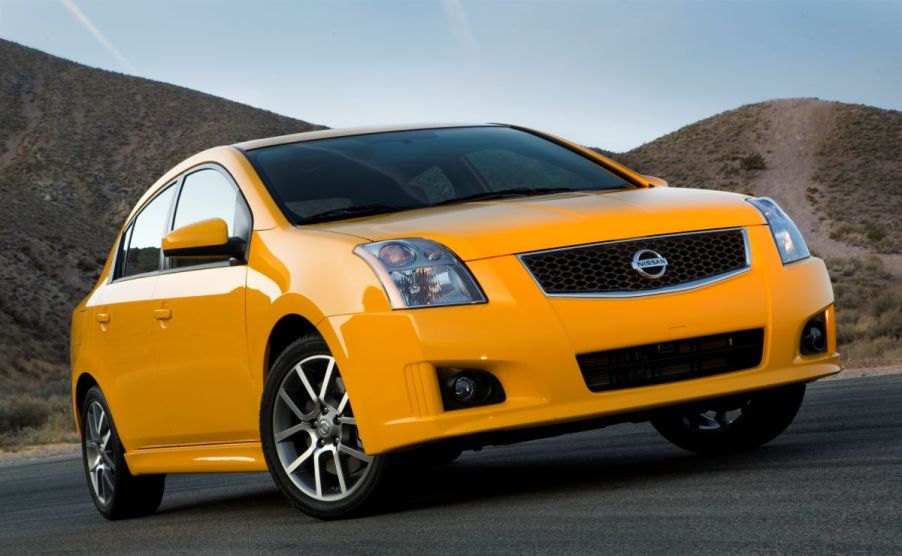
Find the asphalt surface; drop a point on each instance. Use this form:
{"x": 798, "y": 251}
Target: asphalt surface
{"x": 831, "y": 484}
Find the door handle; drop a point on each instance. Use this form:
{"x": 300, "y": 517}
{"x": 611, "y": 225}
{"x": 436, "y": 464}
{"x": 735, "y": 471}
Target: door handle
{"x": 162, "y": 314}
{"x": 102, "y": 318}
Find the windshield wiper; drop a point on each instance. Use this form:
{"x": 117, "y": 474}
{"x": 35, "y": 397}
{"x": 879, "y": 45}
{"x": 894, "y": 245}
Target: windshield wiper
{"x": 503, "y": 194}
{"x": 348, "y": 212}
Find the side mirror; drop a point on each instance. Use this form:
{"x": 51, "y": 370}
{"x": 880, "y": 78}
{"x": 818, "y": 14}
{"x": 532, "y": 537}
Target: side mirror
{"x": 656, "y": 182}
{"x": 204, "y": 239}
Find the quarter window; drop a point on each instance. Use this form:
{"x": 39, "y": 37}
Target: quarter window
{"x": 146, "y": 234}
{"x": 122, "y": 252}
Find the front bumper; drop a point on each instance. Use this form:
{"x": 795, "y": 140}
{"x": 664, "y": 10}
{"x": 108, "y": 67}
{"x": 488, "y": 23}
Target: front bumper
{"x": 530, "y": 342}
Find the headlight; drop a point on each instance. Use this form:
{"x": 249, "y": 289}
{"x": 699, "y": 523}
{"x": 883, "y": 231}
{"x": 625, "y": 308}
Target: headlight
{"x": 787, "y": 236}
{"x": 420, "y": 273}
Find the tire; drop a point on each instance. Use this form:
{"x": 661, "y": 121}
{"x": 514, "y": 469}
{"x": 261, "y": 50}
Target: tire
{"x": 317, "y": 461}
{"x": 732, "y": 424}
{"x": 116, "y": 492}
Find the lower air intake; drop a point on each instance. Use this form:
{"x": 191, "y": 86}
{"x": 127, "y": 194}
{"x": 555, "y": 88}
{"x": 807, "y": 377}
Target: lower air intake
{"x": 672, "y": 361}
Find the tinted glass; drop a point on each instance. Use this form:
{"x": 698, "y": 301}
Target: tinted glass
{"x": 209, "y": 194}
{"x": 144, "y": 246}
{"x": 433, "y": 184}
{"x": 504, "y": 169}
{"x": 414, "y": 169}
{"x": 122, "y": 253}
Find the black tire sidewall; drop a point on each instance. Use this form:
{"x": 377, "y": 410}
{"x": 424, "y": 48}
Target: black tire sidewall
{"x": 768, "y": 414}
{"x": 133, "y": 496}
{"x": 364, "y": 496}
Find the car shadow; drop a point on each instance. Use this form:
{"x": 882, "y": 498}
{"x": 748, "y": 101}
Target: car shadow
{"x": 520, "y": 473}
{"x": 581, "y": 462}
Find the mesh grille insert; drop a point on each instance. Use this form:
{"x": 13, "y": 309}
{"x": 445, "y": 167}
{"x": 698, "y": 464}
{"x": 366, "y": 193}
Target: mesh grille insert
{"x": 606, "y": 268}
{"x": 672, "y": 361}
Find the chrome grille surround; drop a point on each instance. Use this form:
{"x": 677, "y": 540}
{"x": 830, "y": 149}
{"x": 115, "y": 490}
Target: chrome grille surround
{"x": 537, "y": 264}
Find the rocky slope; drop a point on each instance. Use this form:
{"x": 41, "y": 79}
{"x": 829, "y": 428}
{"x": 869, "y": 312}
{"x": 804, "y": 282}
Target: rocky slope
{"x": 78, "y": 146}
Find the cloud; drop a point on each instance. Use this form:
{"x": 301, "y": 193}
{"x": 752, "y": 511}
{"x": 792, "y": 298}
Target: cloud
{"x": 91, "y": 28}
{"x": 460, "y": 25}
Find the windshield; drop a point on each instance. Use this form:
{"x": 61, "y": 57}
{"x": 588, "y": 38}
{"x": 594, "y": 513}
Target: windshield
{"x": 347, "y": 177}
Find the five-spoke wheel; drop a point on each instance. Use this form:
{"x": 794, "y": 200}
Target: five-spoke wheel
{"x": 310, "y": 437}
{"x": 315, "y": 434}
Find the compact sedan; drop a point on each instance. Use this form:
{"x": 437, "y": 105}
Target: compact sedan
{"x": 329, "y": 305}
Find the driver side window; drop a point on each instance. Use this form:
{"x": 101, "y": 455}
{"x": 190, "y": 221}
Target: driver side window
{"x": 207, "y": 194}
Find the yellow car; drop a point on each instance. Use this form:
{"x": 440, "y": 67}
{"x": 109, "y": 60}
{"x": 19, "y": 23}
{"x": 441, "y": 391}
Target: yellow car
{"x": 329, "y": 305}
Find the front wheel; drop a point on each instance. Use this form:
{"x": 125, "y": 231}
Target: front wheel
{"x": 310, "y": 438}
{"x": 732, "y": 424}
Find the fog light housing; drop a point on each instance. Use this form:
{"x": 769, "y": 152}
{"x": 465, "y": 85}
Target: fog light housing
{"x": 814, "y": 336}
{"x": 462, "y": 388}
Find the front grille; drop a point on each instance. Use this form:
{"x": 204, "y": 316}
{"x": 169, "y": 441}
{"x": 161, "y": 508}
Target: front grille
{"x": 607, "y": 268}
{"x": 672, "y": 361}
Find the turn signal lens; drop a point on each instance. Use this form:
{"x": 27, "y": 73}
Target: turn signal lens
{"x": 787, "y": 236}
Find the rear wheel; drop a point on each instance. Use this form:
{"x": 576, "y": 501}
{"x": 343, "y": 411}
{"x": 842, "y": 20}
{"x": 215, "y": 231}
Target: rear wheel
{"x": 116, "y": 492}
{"x": 310, "y": 438}
{"x": 732, "y": 424}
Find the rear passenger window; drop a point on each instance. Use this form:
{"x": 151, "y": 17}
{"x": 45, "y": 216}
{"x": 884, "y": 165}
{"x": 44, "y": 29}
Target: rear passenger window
{"x": 209, "y": 194}
{"x": 145, "y": 244}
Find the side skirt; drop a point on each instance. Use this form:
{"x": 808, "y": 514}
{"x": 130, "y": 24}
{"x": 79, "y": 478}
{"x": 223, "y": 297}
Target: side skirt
{"x": 239, "y": 457}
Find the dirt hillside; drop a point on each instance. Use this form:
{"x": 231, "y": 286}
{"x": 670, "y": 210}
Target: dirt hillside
{"x": 77, "y": 148}
{"x": 837, "y": 170}
{"x": 79, "y": 145}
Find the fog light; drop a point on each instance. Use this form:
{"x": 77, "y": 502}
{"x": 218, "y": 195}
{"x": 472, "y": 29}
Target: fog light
{"x": 463, "y": 388}
{"x": 466, "y": 390}
{"x": 814, "y": 336}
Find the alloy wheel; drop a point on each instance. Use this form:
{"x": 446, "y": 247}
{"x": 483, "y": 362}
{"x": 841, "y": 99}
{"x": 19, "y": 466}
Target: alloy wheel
{"x": 99, "y": 453}
{"x": 719, "y": 418}
{"x": 315, "y": 433}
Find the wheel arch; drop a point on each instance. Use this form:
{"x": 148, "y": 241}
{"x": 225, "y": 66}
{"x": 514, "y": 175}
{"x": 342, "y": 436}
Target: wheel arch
{"x": 286, "y": 330}
{"x": 84, "y": 383}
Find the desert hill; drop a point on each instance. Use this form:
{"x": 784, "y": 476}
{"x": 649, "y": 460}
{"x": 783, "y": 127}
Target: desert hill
{"x": 78, "y": 146}
{"x": 837, "y": 170}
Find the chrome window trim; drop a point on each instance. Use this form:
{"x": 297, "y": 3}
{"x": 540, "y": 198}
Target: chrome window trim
{"x": 695, "y": 284}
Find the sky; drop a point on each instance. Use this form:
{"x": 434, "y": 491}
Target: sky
{"x": 613, "y": 74}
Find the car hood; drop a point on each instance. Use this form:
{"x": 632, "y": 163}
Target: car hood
{"x": 484, "y": 229}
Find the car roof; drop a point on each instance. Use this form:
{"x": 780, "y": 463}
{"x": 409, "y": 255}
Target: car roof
{"x": 346, "y": 132}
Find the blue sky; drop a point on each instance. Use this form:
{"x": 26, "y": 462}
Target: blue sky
{"x": 608, "y": 73}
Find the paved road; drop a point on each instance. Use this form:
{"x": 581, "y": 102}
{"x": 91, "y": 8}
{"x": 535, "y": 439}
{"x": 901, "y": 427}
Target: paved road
{"x": 832, "y": 483}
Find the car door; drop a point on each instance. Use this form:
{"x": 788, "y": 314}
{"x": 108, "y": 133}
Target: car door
{"x": 122, "y": 317}
{"x": 200, "y": 323}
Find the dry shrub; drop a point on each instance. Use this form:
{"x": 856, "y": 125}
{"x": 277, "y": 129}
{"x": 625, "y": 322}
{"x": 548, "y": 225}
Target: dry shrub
{"x": 868, "y": 309}
{"x": 21, "y": 412}
{"x": 27, "y": 420}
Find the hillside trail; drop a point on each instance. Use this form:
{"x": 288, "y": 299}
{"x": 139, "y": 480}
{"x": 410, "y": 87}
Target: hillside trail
{"x": 797, "y": 129}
